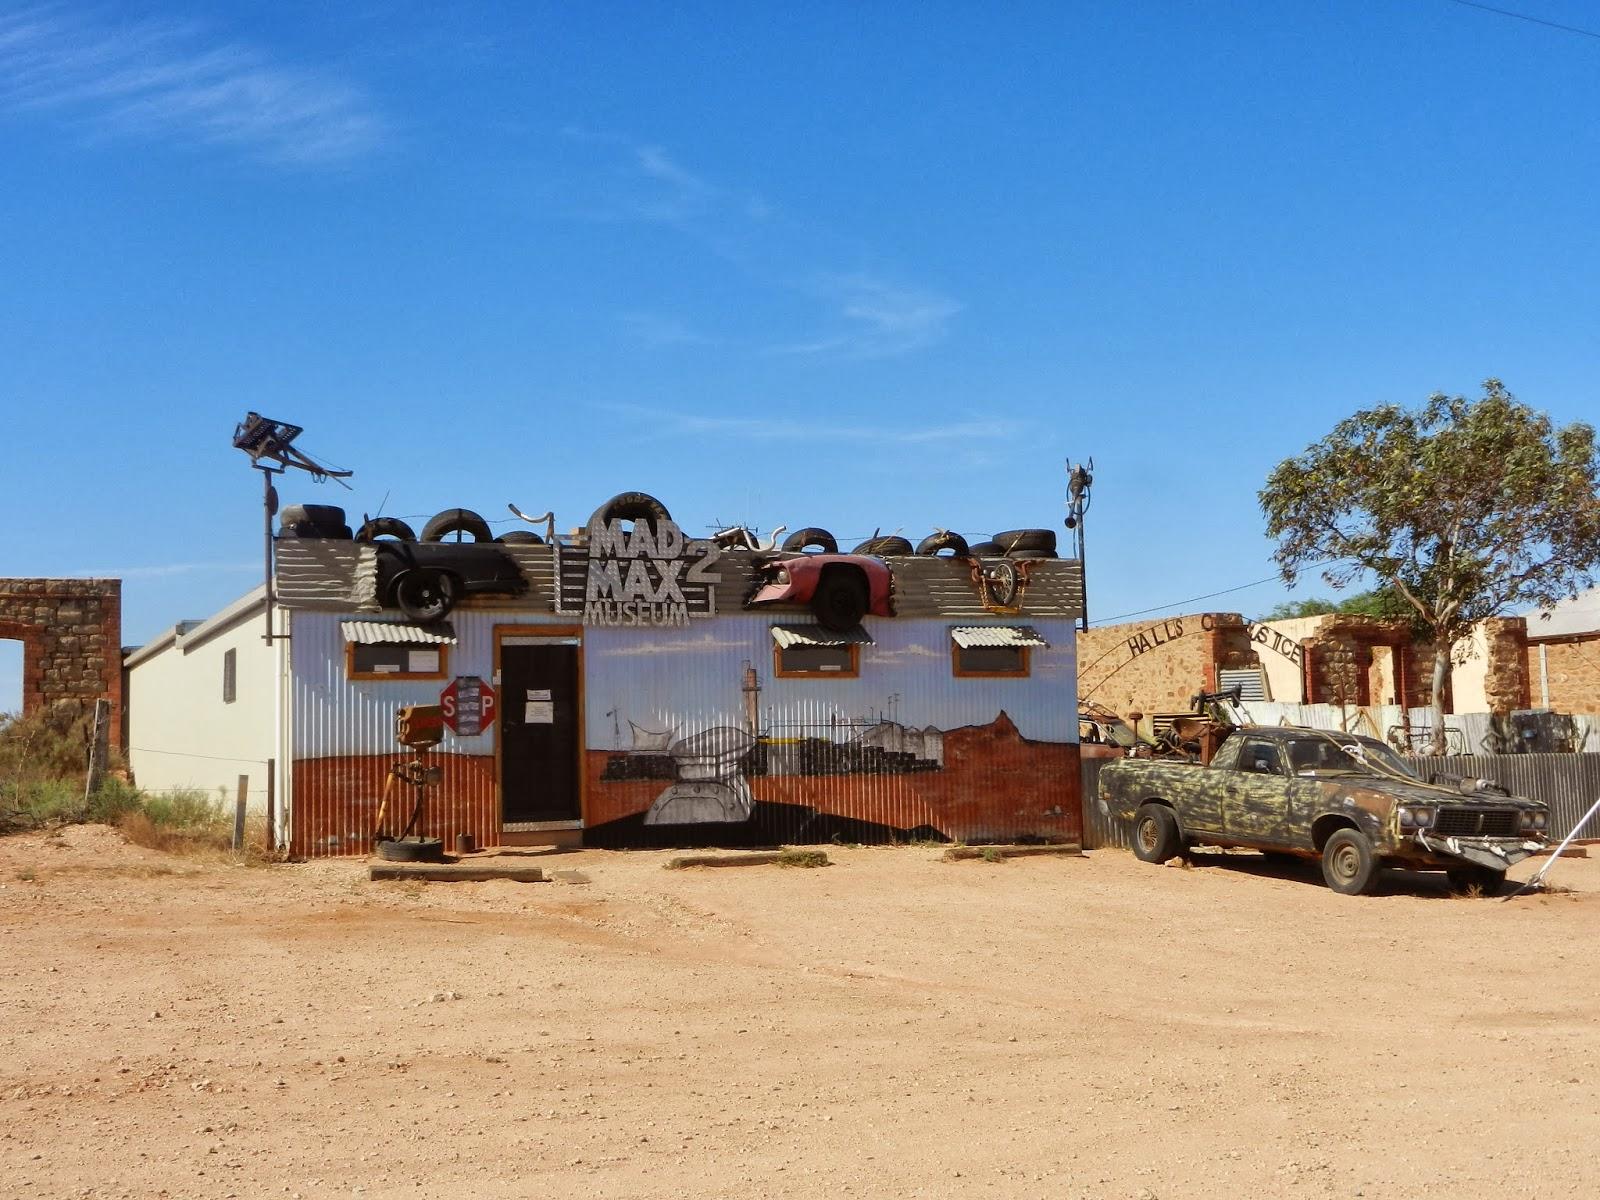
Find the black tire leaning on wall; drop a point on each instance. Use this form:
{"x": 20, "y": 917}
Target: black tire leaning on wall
{"x": 888, "y": 546}
{"x": 456, "y": 520}
{"x": 632, "y": 506}
{"x": 376, "y": 527}
{"x": 811, "y": 535}
{"x": 1016, "y": 540}
{"x": 944, "y": 540}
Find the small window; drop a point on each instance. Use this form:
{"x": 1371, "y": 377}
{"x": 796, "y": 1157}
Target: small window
{"x": 230, "y": 676}
{"x": 993, "y": 651}
{"x": 809, "y": 651}
{"x": 396, "y": 660}
{"x": 991, "y": 660}
{"x": 1261, "y": 758}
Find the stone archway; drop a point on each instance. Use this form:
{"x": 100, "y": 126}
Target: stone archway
{"x": 71, "y": 635}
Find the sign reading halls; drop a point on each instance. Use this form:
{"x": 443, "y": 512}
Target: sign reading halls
{"x": 640, "y": 576}
{"x": 1171, "y": 630}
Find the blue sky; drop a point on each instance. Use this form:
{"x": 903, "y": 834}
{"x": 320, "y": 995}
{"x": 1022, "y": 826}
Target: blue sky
{"x": 882, "y": 266}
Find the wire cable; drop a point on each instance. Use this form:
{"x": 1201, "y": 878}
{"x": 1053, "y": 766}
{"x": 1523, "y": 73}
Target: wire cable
{"x": 1506, "y": 12}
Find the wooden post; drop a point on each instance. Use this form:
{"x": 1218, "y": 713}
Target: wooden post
{"x": 238, "y": 812}
{"x": 272, "y": 806}
{"x": 99, "y": 747}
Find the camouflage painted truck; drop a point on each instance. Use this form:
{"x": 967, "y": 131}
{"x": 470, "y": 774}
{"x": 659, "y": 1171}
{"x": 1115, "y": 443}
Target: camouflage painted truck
{"x": 1348, "y": 800}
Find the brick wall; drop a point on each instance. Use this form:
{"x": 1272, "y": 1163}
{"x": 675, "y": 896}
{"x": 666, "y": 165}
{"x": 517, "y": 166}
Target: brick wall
{"x": 1572, "y": 673}
{"x": 1157, "y": 666}
{"x": 71, "y": 635}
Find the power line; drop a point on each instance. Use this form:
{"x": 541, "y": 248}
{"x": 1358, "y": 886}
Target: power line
{"x": 1208, "y": 596}
{"x": 1506, "y": 12}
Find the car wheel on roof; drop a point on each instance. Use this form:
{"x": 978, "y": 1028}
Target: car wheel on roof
{"x": 425, "y": 594}
{"x": 1018, "y": 541}
{"x": 520, "y": 537}
{"x": 841, "y": 598}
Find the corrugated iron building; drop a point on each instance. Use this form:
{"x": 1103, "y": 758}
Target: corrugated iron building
{"x": 633, "y": 720}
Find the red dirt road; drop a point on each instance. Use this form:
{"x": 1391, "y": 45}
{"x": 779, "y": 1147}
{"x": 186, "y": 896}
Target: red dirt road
{"x": 889, "y": 1026}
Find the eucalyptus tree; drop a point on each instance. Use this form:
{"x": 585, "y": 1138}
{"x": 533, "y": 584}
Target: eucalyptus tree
{"x": 1465, "y": 507}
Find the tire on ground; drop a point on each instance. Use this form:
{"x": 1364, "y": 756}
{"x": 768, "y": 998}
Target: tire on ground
{"x": 888, "y": 546}
{"x": 841, "y": 598}
{"x": 1348, "y": 864}
{"x": 456, "y": 520}
{"x": 1042, "y": 540}
{"x": 811, "y": 535}
{"x": 632, "y": 506}
{"x": 944, "y": 540}
{"x": 376, "y": 527}
{"x": 412, "y": 849}
{"x": 1155, "y": 834}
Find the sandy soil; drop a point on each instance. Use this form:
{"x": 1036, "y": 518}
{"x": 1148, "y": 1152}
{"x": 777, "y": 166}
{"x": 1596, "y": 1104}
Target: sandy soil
{"x": 892, "y": 1025}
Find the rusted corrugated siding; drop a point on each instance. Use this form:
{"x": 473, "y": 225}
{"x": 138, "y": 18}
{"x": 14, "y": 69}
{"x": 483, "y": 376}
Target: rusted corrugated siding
{"x": 1568, "y": 783}
{"x": 1100, "y": 828}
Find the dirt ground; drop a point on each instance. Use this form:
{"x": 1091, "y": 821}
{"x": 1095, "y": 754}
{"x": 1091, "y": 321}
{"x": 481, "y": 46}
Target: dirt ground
{"x": 892, "y": 1025}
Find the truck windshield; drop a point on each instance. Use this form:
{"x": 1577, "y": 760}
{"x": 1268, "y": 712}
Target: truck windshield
{"x": 1360, "y": 756}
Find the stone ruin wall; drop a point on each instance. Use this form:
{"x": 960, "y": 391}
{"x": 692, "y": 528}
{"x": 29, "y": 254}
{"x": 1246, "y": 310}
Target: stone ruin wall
{"x": 71, "y": 635}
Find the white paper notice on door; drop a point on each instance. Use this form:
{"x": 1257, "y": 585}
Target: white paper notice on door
{"x": 538, "y": 712}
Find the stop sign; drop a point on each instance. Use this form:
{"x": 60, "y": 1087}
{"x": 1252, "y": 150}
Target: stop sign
{"x": 469, "y": 705}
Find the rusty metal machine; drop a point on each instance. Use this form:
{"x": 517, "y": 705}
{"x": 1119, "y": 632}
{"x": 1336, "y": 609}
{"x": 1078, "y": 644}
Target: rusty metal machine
{"x": 419, "y": 728}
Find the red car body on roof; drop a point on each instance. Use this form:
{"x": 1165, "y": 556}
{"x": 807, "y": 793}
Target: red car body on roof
{"x": 794, "y": 580}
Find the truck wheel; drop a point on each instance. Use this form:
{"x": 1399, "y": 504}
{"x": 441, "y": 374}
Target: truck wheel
{"x": 1347, "y": 864}
{"x": 457, "y": 521}
{"x": 1155, "y": 834}
{"x": 1486, "y": 880}
{"x": 426, "y": 595}
{"x": 805, "y": 539}
{"x": 841, "y": 599}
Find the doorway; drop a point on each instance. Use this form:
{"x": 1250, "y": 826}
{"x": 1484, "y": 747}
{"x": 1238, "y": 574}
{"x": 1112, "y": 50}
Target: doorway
{"x": 541, "y": 731}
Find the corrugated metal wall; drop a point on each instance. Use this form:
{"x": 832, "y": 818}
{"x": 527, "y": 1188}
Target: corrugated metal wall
{"x": 906, "y": 749}
{"x": 1568, "y": 783}
{"x": 1100, "y": 828}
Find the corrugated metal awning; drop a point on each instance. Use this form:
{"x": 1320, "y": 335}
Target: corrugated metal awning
{"x": 816, "y": 635}
{"x": 969, "y": 636}
{"x": 369, "y": 633}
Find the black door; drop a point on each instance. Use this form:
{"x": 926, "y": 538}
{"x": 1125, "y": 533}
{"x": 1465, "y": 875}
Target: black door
{"x": 539, "y": 751}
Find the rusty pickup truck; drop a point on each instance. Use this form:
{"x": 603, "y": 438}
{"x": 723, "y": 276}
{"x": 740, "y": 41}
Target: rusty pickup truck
{"x": 1348, "y": 800}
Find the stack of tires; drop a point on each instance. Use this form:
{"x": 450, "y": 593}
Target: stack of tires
{"x": 312, "y": 521}
{"x": 1018, "y": 543}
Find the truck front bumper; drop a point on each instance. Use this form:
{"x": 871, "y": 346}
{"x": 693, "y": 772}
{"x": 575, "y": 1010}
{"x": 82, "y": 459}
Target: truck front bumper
{"x": 1495, "y": 853}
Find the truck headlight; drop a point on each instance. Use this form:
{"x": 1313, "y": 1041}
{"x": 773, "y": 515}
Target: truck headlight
{"x": 781, "y": 575}
{"x": 1534, "y": 819}
{"x": 1416, "y": 818}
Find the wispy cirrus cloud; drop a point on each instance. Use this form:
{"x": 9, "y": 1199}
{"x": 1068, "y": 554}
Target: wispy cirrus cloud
{"x": 853, "y": 314}
{"x": 878, "y": 318}
{"x": 171, "y": 81}
{"x": 664, "y": 422}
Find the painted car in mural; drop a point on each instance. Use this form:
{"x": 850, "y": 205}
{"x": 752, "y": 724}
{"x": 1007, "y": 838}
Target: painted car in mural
{"x": 1348, "y": 800}
{"x": 839, "y": 589}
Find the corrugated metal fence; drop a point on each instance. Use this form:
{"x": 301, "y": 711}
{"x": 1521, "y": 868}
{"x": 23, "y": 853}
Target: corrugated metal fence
{"x": 1100, "y": 829}
{"x": 1568, "y": 783}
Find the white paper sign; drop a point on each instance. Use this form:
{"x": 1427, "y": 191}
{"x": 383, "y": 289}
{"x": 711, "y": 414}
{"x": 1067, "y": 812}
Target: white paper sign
{"x": 539, "y": 712}
{"x": 539, "y": 694}
{"x": 422, "y": 662}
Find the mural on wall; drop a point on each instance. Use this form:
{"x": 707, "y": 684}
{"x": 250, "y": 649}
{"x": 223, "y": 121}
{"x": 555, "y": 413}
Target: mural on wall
{"x": 740, "y": 760}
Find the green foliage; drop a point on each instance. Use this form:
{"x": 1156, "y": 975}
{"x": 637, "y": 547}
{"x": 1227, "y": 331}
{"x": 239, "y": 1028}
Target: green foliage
{"x": 791, "y": 856}
{"x": 1385, "y": 602}
{"x": 1465, "y": 508}
{"x": 184, "y": 808}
